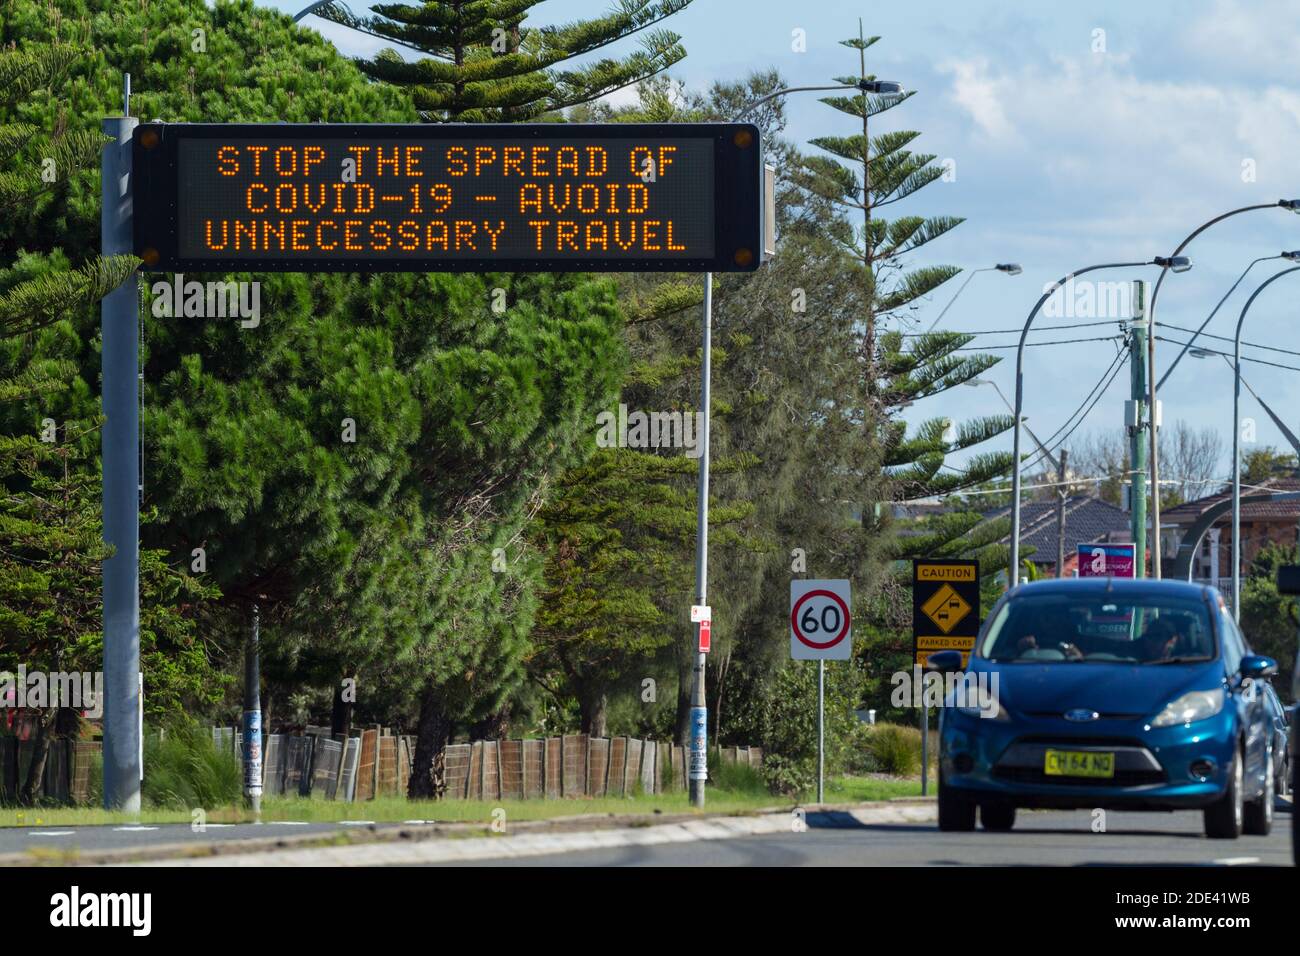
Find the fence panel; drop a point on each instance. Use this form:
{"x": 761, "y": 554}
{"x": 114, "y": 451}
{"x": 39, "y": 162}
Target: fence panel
{"x": 574, "y": 765}
{"x": 615, "y": 771}
{"x": 273, "y": 766}
{"x": 347, "y": 788}
{"x": 297, "y": 765}
{"x": 511, "y": 769}
{"x": 455, "y": 774}
{"x": 632, "y": 765}
{"x": 367, "y": 765}
{"x": 388, "y": 767}
{"x": 328, "y": 758}
{"x": 597, "y": 766}
{"x": 553, "y": 767}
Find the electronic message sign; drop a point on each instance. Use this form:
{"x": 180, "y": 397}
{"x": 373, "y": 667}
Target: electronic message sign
{"x": 449, "y": 197}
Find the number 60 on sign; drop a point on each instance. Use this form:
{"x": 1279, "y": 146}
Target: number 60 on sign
{"x": 821, "y": 625}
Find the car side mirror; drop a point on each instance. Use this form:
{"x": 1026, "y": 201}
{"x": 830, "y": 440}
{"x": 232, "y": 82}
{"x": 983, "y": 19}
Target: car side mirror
{"x": 945, "y": 662}
{"x": 1258, "y": 666}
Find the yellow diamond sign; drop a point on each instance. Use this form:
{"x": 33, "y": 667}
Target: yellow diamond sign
{"x": 946, "y": 608}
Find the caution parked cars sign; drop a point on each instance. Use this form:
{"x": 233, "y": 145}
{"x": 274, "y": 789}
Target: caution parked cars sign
{"x": 821, "y": 626}
{"x": 945, "y": 607}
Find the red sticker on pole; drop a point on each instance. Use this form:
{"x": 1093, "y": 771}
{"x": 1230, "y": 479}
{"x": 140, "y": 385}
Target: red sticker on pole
{"x": 706, "y": 635}
{"x": 821, "y": 625}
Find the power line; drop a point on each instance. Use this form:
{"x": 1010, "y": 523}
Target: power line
{"x": 1085, "y": 407}
{"x": 984, "y": 348}
{"x": 1041, "y": 328}
{"x": 1257, "y": 361}
{"x": 1225, "y": 338}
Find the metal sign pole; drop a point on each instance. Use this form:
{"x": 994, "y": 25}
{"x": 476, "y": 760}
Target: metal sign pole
{"x": 925, "y": 744}
{"x": 120, "y": 450}
{"x": 821, "y": 728}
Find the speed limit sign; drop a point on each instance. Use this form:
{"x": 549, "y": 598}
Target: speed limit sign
{"x": 820, "y": 621}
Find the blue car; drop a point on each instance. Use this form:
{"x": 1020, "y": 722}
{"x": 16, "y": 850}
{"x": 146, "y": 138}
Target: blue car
{"x": 1107, "y": 693}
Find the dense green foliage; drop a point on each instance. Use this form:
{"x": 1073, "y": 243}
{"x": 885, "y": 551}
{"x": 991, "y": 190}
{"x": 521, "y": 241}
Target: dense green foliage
{"x": 484, "y": 62}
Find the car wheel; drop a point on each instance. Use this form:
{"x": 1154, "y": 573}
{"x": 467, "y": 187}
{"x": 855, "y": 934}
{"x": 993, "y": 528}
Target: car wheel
{"x": 1223, "y": 818}
{"x": 1257, "y": 818}
{"x": 998, "y": 817}
{"x": 956, "y": 812}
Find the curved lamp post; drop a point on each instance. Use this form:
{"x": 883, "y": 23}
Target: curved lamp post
{"x": 1007, "y": 268}
{"x": 695, "y": 783}
{"x": 1292, "y": 205}
{"x": 1180, "y": 263}
{"x": 1293, "y": 256}
{"x": 1236, "y": 441}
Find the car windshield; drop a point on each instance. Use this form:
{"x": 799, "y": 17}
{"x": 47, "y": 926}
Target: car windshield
{"x": 1131, "y": 629}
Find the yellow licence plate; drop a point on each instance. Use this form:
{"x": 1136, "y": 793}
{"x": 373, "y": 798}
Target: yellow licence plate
{"x": 1078, "y": 763}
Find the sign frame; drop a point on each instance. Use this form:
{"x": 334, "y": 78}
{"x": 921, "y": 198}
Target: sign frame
{"x": 1119, "y": 550}
{"x": 737, "y": 194}
{"x": 802, "y": 648}
{"x": 962, "y": 577}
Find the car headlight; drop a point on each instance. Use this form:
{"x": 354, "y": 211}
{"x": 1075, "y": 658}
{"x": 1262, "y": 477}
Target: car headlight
{"x": 1192, "y": 706}
{"x": 995, "y": 711}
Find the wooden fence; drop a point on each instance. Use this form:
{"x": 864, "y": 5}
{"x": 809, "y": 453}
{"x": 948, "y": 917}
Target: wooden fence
{"x": 377, "y": 764}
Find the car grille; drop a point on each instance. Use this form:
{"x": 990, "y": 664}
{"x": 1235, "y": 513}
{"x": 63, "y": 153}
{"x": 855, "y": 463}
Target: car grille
{"x": 1122, "y": 778}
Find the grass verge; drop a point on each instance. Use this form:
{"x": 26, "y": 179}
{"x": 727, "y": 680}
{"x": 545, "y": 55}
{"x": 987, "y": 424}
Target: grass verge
{"x": 741, "y": 797}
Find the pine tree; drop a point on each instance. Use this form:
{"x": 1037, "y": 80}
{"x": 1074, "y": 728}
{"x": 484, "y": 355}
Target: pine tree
{"x": 862, "y": 175}
{"x": 480, "y": 61}
{"x": 34, "y": 165}
{"x": 51, "y": 534}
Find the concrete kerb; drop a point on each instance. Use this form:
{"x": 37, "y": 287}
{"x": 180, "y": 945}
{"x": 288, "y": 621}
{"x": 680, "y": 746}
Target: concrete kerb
{"x": 522, "y": 845}
{"x": 559, "y": 834}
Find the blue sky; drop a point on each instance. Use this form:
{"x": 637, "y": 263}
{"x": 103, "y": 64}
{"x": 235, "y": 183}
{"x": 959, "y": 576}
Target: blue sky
{"x": 1064, "y": 157}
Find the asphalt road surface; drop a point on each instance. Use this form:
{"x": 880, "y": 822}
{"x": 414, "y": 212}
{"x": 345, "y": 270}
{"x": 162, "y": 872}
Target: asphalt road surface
{"x": 1040, "y": 838}
{"x": 112, "y": 837}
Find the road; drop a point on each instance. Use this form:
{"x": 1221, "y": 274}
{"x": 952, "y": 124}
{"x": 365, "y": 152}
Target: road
{"x": 1053, "y": 838}
{"x": 56, "y": 839}
{"x": 1060, "y": 838}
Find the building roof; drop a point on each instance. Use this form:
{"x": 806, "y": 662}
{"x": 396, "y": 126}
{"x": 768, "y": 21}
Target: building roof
{"x": 1189, "y": 511}
{"x": 1087, "y": 519}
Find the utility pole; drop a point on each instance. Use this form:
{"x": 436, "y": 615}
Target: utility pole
{"x": 1153, "y": 438}
{"x": 1137, "y": 446}
{"x": 699, "y": 743}
{"x": 253, "y": 718}
{"x": 1061, "y": 492}
{"x": 120, "y": 450}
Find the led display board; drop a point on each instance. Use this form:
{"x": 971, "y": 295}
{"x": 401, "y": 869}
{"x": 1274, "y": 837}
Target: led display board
{"x": 448, "y": 197}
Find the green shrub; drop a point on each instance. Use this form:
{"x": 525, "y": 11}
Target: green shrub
{"x": 182, "y": 768}
{"x": 789, "y": 776}
{"x": 894, "y": 749}
{"x": 735, "y": 778}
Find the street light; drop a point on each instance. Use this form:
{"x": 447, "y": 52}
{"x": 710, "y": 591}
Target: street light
{"x": 1007, "y": 268}
{"x": 976, "y": 382}
{"x": 1291, "y": 205}
{"x": 698, "y": 761}
{"x": 1293, "y": 256}
{"x": 1183, "y": 264}
{"x": 1236, "y": 441}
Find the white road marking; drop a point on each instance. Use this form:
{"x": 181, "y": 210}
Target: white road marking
{"x": 1237, "y": 861}
{"x": 51, "y": 833}
{"x": 356, "y": 823}
{"x": 289, "y": 823}
{"x": 134, "y": 829}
